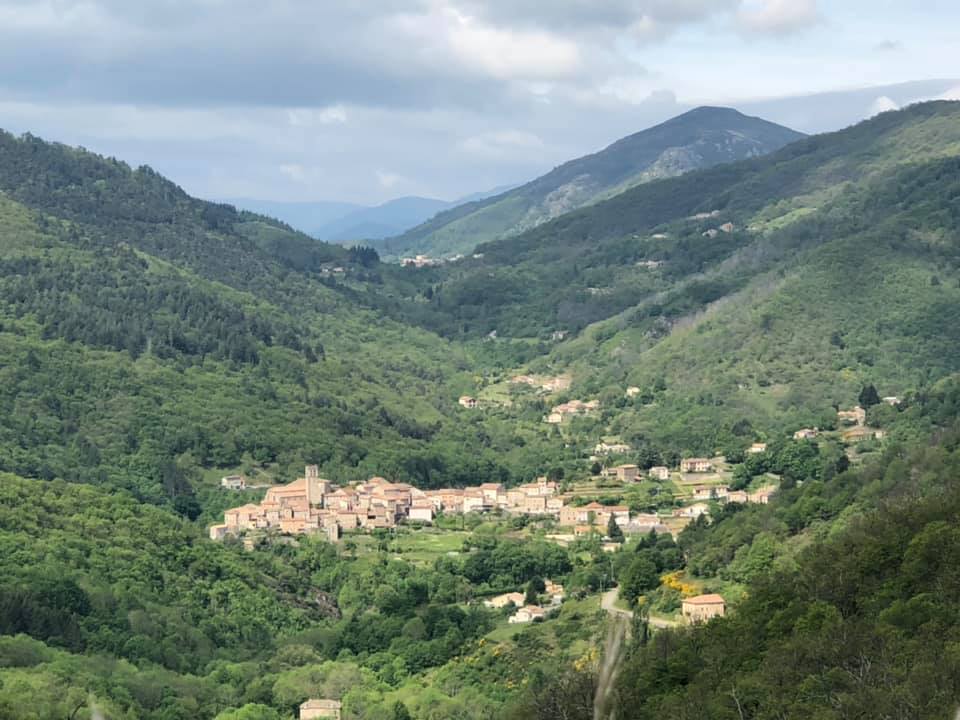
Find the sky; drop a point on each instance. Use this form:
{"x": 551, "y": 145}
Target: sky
{"x": 365, "y": 100}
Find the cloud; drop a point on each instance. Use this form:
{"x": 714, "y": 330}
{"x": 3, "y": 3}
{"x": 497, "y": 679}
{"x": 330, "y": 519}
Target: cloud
{"x": 951, "y": 94}
{"x": 778, "y": 17}
{"x": 388, "y": 179}
{"x": 881, "y": 105}
{"x": 312, "y": 117}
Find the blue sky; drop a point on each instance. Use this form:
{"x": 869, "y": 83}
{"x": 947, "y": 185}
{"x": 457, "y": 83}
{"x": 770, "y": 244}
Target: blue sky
{"x": 304, "y": 100}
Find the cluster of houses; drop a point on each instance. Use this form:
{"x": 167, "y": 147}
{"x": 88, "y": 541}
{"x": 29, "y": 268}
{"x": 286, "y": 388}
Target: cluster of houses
{"x": 526, "y": 613}
{"x": 567, "y": 410}
{"x": 546, "y": 384}
{"x": 714, "y": 232}
{"x": 311, "y": 504}
{"x": 853, "y": 425}
{"x": 420, "y": 261}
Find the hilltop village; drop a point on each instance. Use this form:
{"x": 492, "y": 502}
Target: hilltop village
{"x": 311, "y": 504}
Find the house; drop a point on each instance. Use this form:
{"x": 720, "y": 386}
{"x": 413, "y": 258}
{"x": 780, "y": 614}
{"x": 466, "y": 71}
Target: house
{"x": 762, "y": 495}
{"x": 633, "y": 391}
{"x": 710, "y": 492}
{"x": 501, "y": 601}
{"x": 468, "y": 402}
{"x": 528, "y": 613}
{"x": 756, "y": 448}
{"x": 554, "y": 418}
{"x": 737, "y": 496}
{"x": 692, "y": 511}
{"x": 554, "y": 590}
{"x": 892, "y": 400}
{"x": 233, "y": 482}
{"x": 711, "y": 233}
{"x": 421, "y": 512}
{"x": 217, "y": 532}
{"x": 623, "y": 473}
{"x": 320, "y": 709}
{"x": 603, "y": 448}
{"x": 857, "y": 416}
{"x": 696, "y": 465}
{"x": 659, "y": 472}
{"x": 727, "y": 227}
{"x": 494, "y": 493}
{"x": 860, "y": 433}
{"x": 474, "y": 501}
{"x": 806, "y": 434}
{"x": 703, "y": 608}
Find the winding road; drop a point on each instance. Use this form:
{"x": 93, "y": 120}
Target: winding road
{"x": 608, "y": 602}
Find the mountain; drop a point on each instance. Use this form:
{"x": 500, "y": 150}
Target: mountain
{"x": 349, "y": 223}
{"x": 699, "y": 138}
{"x": 380, "y": 221}
{"x": 764, "y": 289}
{"x": 302, "y": 216}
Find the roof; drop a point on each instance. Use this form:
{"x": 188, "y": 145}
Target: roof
{"x": 323, "y": 704}
{"x": 711, "y": 599}
{"x": 697, "y": 460}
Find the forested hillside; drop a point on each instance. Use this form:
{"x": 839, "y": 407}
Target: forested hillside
{"x": 699, "y": 138}
{"x": 852, "y": 599}
{"x": 839, "y": 267}
{"x": 147, "y": 337}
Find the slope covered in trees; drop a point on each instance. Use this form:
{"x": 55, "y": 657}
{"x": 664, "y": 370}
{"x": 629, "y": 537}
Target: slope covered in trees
{"x": 856, "y": 618}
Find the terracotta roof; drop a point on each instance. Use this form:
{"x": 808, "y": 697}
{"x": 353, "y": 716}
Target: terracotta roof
{"x": 711, "y": 599}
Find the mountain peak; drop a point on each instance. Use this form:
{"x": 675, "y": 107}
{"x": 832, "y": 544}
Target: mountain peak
{"x": 687, "y": 142}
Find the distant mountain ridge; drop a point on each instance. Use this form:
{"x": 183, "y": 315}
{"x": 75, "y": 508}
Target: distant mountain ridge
{"x": 699, "y": 138}
{"x": 348, "y": 223}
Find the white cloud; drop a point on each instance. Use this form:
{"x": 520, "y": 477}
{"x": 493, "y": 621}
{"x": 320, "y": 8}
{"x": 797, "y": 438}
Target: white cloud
{"x": 881, "y": 105}
{"x": 388, "y": 180}
{"x": 311, "y": 117}
{"x": 951, "y": 94}
{"x": 778, "y": 17}
{"x": 447, "y": 35}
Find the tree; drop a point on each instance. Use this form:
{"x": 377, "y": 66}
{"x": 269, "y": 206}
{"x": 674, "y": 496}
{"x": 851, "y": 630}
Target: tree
{"x": 869, "y": 397}
{"x": 613, "y": 530}
{"x": 400, "y": 712}
{"x": 534, "y": 588}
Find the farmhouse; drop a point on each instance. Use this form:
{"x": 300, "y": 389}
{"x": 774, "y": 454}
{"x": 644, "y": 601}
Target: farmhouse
{"x": 320, "y": 709}
{"x": 806, "y": 434}
{"x": 703, "y": 608}
{"x": 233, "y": 482}
{"x": 603, "y": 448}
{"x": 696, "y": 465}
{"x": 756, "y": 448}
{"x": 659, "y": 472}
{"x": 857, "y": 416}
{"x": 692, "y": 511}
{"x": 624, "y": 473}
{"x": 528, "y": 613}
{"x": 468, "y": 402}
{"x": 501, "y": 601}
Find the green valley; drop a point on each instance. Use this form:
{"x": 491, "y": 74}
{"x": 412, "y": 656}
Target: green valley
{"x": 650, "y": 457}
